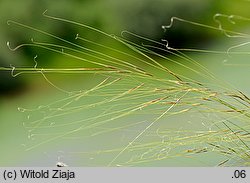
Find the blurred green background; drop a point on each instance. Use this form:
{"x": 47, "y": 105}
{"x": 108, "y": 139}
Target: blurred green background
{"x": 144, "y": 17}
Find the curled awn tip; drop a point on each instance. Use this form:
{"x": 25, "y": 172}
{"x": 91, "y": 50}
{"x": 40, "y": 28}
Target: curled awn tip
{"x": 77, "y": 36}
{"x": 13, "y": 70}
{"x": 8, "y": 45}
{"x": 17, "y": 47}
{"x": 164, "y": 40}
{"x": 35, "y": 57}
{"x": 170, "y": 24}
{"x": 215, "y": 17}
{"x": 9, "y": 22}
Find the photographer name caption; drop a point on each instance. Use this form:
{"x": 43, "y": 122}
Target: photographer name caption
{"x": 64, "y": 174}
{"x": 125, "y": 174}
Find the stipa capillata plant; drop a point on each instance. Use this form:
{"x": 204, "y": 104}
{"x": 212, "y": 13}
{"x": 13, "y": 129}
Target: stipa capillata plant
{"x": 147, "y": 102}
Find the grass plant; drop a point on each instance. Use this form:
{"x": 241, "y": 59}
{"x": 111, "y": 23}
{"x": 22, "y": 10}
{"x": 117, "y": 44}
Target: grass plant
{"x": 147, "y": 102}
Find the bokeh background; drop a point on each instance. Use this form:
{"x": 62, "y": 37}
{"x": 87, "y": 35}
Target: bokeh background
{"x": 144, "y": 17}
